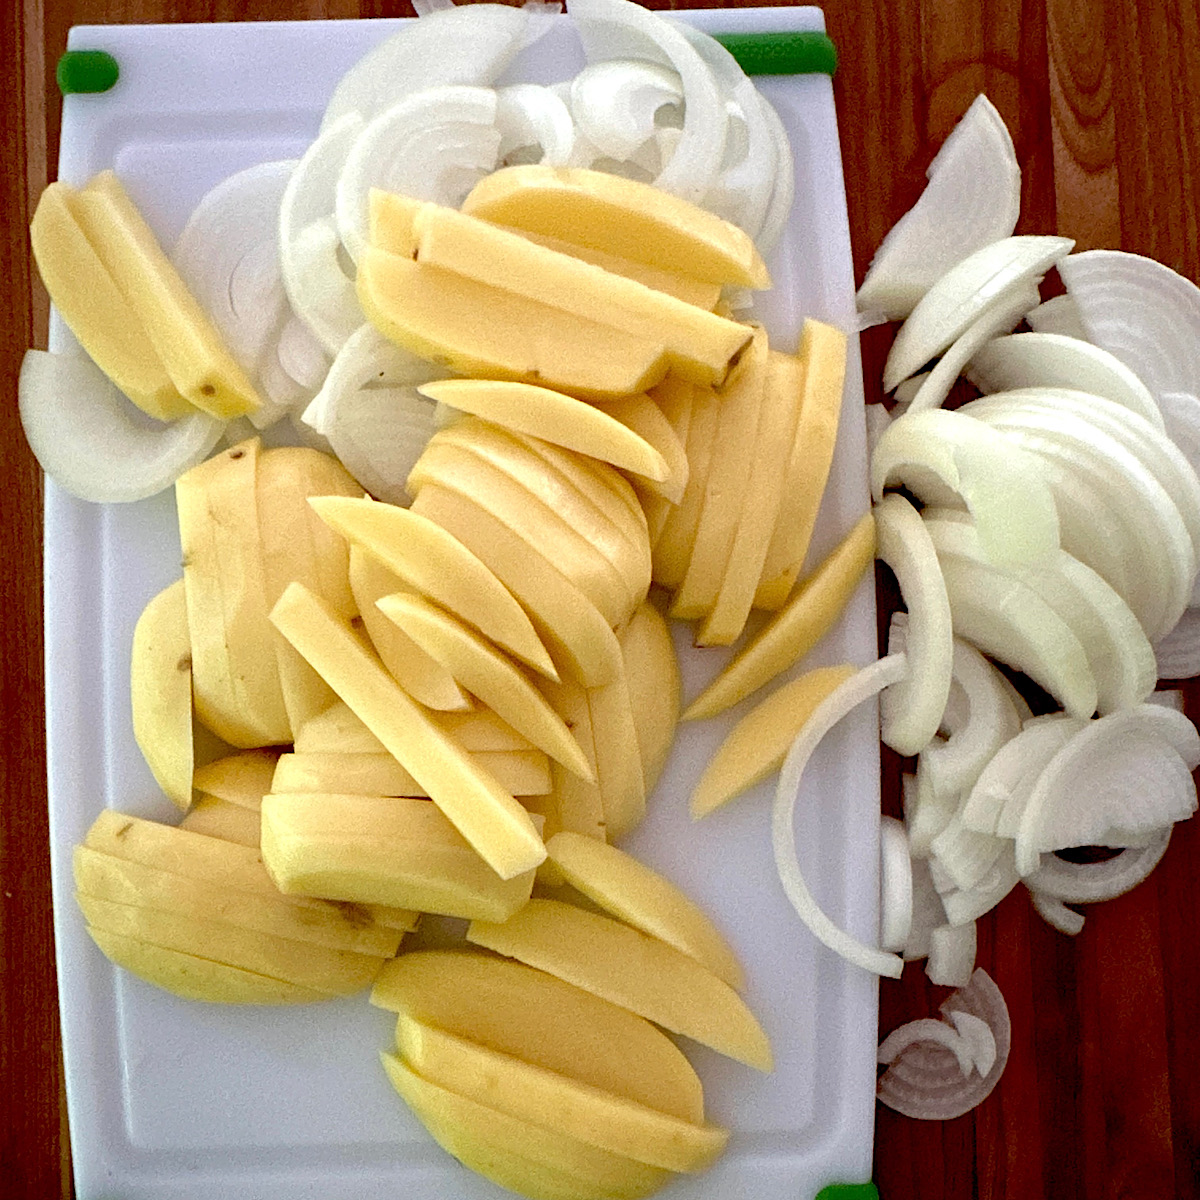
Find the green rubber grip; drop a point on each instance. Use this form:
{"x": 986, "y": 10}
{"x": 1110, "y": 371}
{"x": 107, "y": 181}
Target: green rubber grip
{"x": 849, "y": 1191}
{"x": 805, "y": 52}
{"x": 86, "y": 71}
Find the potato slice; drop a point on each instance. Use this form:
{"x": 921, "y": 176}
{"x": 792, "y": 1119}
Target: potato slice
{"x": 242, "y": 779}
{"x": 556, "y": 1101}
{"x": 160, "y": 674}
{"x": 339, "y": 730}
{"x": 578, "y": 803}
{"x": 431, "y": 561}
{"x": 539, "y": 1163}
{"x": 618, "y": 755}
{"x": 648, "y": 421}
{"x": 673, "y": 398}
{"x": 214, "y": 817}
{"x": 515, "y": 1010}
{"x": 487, "y": 673}
{"x": 580, "y": 640}
{"x": 382, "y": 850}
{"x": 638, "y": 972}
{"x": 652, "y": 676}
{"x": 487, "y": 815}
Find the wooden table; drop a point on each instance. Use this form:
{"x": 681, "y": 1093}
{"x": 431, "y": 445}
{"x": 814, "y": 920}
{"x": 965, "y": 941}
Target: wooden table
{"x": 1101, "y": 1097}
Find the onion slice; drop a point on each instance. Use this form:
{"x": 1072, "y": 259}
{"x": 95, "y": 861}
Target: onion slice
{"x": 616, "y": 103}
{"x": 952, "y": 951}
{"x": 1056, "y": 913}
{"x": 1089, "y": 883}
{"x": 1141, "y": 311}
{"x": 1059, "y": 314}
{"x": 532, "y": 117}
{"x": 973, "y": 198}
{"x": 860, "y": 687}
{"x": 960, "y": 297}
{"x": 1177, "y": 654}
{"x": 93, "y": 441}
{"x": 895, "y": 886}
{"x": 926, "y": 1081}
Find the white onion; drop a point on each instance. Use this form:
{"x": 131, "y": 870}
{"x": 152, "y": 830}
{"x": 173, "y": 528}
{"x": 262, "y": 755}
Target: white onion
{"x": 470, "y": 45}
{"x": 895, "y": 885}
{"x": 529, "y": 116}
{"x": 1142, "y": 312}
{"x": 912, "y": 710}
{"x": 963, "y": 905}
{"x": 1053, "y": 360}
{"x": 614, "y": 29}
{"x": 860, "y": 687}
{"x": 927, "y": 1030}
{"x": 1056, "y": 913}
{"x": 1089, "y": 883}
{"x": 951, "y": 954}
{"x": 928, "y": 912}
{"x": 322, "y": 294}
{"x": 1177, "y": 653}
{"x": 93, "y": 441}
{"x": 927, "y": 811}
{"x": 972, "y": 199}
{"x": 965, "y": 855}
{"x": 302, "y": 356}
{"x": 435, "y": 144}
{"x": 616, "y": 103}
{"x": 783, "y": 194}
{"x": 1056, "y": 315}
{"x": 961, "y": 295}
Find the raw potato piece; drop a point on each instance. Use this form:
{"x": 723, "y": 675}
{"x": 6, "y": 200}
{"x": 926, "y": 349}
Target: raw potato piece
{"x": 487, "y": 673}
{"x": 581, "y": 642}
{"x": 217, "y": 818}
{"x": 725, "y": 489}
{"x": 618, "y": 963}
{"x": 652, "y": 676}
{"x": 422, "y": 677}
{"x": 575, "y": 804}
{"x": 792, "y": 632}
{"x": 441, "y": 317}
{"x": 428, "y": 559}
{"x": 95, "y": 310}
{"x": 242, "y": 779}
{"x": 758, "y": 743}
{"x": 556, "y": 1101}
{"x": 823, "y": 351}
{"x": 673, "y": 398}
{"x": 338, "y": 730}
{"x": 513, "y": 1009}
{"x": 189, "y": 346}
{"x": 487, "y": 816}
{"x": 640, "y": 897}
{"x": 699, "y": 345}
{"x": 620, "y": 216}
{"x": 648, "y": 420}
{"x": 161, "y": 692}
{"x": 618, "y": 755}
{"x": 235, "y": 673}
{"x": 382, "y": 850}
{"x": 548, "y": 1165}
{"x": 550, "y": 415}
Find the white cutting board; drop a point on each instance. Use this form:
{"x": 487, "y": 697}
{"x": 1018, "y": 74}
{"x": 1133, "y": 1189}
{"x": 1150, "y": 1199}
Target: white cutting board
{"x": 172, "y": 1100}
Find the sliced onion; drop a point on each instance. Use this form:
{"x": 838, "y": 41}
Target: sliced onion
{"x": 944, "y": 457}
{"x": 530, "y": 117}
{"x": 1168, "y": 698}
{"x": 960, "y": 296}
{"x": 484, "y": 39}
{"x": 321, "y": 292}
{"x": 927, "y": 811}
{"x": 928, "y": 1029}
{"x": 435, "y": 144}
{"x": 928, "y": 911}
{"x": 1129, "y": 767}
{"x": 302, "y": 356}
{"x": 878, "y": 419}
{"x": 951, "y": 954}
{"x": 964, "y": 854}
{"x": 927, "y": 1082}
{"x": 1039, "y": 360}
{"x": 1142, "y": 312}
{"x": 972, "y": 199}
{"x": 616, "y": 104}
{"x": 93, "y": 441}
{"x": 895, "y": 886}
{"x": 912, "y": 711}
{"x": 1089, "y": 883}
{"x": 1177, "y": 653}
{"x": 614, "y": 29}
{"x": 371, "y": 413}
{"x": 1001, "y": 316}
{"x": 783, "y": 194}
{"x": 1056, "y": 315}
{"x": 860, "y": 687}
{"x": 1056, "y": 913}
{"x": 963, "y": 905}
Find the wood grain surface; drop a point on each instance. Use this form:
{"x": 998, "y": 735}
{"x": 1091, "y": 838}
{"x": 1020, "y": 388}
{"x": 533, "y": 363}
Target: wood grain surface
{"x": 1101, "y": 1098}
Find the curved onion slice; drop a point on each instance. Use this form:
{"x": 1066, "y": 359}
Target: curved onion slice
{"x": 370, "y": 411}
{"x": 963, "y": 905}
{"x": 990, "y": 720}
{"x": 616, "y": 104}
{"x": 928, "y": 912}
{"x": 895, "y": 886}
{"x": 228, "y": 255}
{"x": 1134, "y": 768}
{"x": 1118, "y": 652}
{"x": 972, "y": 199}
{"x": 942, "y": 456}
{"x": 301, "y": 355}
{"x": 93, "y": 441}
{"x": 1089, "y": 883}
{"x": 485, "y": 39}
{"x": 1001, "y": 316}
{"x": 912, "y": 711}
{"x": 1056, "y": 315}
{"x": 1142, "y": 312}
{"x": 928, "y": 1029}
{"x": 951, "y": 954}
{"x": 783, "y": 194}
{"x": 927, "y": 811}
{"x": 1037, "y": 360}
{"x": 960, "y": 296}
{"x": 926, "y": 1081}
{"x": 435, "y": 144}
{"x": 860, "y": 687}
{"x": 614, "y": 29}
{"x": 321, "y": 292}
{"x": 1056, "y": 913}
{"x": 1178, "y": 652}
{"x": 530, "y": 116}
